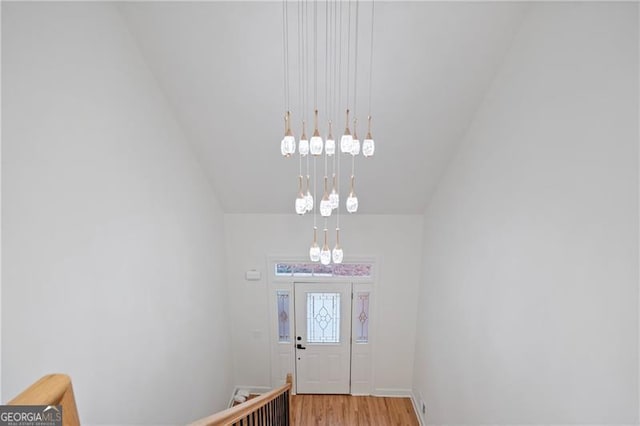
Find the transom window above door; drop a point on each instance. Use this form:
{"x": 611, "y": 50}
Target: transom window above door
{"x": 303, "y": 269}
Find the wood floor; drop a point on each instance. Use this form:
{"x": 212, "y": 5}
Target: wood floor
{"x": 310, "y": 410}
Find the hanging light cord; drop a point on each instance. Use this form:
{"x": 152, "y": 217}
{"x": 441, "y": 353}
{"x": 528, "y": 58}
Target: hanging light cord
{"x": 285, "y": 48}
{"x": 371, "y": 56}
{"x": 340, "y": 59}
{"x": 306, "y": 107}
{"x": 355, "y": 67}
{"x": 300, "y": 74}
{"x": 355, "y": 90}
{"x": 300, "y": 56}
{"x": 316, "y": 88}
{"x": 315, "y": 190}
{"x": 334, "y": 99}
{"x": 306, "y": 57}
{"x": 338, "y": 97}
{"x": 330, "y": 77}
{"x": 315, "y": 54}
{"x": 348, "y": 48}
{"x": 335, "y": 86}
{"x": 326, "y": 58}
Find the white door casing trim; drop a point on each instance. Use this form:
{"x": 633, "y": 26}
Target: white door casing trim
{"x": 282, "y": 355}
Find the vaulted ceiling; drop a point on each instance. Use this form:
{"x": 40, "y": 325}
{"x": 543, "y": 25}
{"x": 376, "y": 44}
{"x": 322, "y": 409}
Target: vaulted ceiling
{"x": 220, "y": 65}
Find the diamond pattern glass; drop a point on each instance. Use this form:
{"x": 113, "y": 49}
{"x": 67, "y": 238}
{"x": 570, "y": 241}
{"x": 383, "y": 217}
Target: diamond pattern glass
{"x": 362, "y": 310}
{"x": 323, "y": 317}
{"x": 284, "y": 335}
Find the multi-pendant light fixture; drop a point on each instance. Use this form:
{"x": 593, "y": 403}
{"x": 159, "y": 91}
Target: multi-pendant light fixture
{"x": 337, "y": 37}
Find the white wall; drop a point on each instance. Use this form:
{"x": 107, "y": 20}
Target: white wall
{"x": 530, "y": 278}
{"x": 113, "y": 247}
{"x": 0, "y": 219}
{"x": 394, "y": 239}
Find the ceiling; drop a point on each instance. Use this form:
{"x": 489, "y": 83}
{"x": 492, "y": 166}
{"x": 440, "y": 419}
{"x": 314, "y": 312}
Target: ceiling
{"x": 220, "y": 65}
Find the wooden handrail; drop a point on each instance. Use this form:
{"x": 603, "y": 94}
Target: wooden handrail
{"x": 52, "y": 389}
{"x": 234, "y": 414}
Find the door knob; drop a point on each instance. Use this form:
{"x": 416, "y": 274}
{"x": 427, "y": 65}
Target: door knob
{"x": 299, "y": 346}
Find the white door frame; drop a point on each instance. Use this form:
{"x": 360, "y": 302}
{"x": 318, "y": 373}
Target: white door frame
{"x": 282, "y": 354}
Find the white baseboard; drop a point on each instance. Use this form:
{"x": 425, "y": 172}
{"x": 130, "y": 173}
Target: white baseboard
{"x": 415, "y": 401}
{"x": 255, "y": 389}
{"x": 399, "y": 393}
{"x": 233, "y": 393}
{"x": 402, "y": 393}
{"x": 251, "y": 389}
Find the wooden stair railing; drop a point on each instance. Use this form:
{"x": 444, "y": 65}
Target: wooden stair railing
{"x": 52, "y": 389}
{"x": 272, "y": 408}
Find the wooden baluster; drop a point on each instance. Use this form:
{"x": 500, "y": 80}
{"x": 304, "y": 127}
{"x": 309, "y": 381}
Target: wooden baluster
{"x": 269, "y": 409}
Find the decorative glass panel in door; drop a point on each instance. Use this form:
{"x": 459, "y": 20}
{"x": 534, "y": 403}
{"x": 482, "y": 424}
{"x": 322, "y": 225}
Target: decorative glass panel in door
{"x": 323, "y": 317}
{"x": 283, "y": 316}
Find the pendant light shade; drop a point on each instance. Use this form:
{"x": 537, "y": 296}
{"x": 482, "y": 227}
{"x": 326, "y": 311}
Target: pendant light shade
{"x": 301, "y": 205}
{"x": 330, "y": 145}
{"x": 347, "y": 140}
{"x": 314, "y": 253}
{"x": 368, "y": 146}
{"x": 345, "y": 143}
{"x": 325, "y": 253}
{"x": 316, "y": 145}
{"x": 325, "y": 208}
{"x": 355, "y": 142}
{"x": 337, "y": 254}
{"x": 301, "y": 202}
{"x": 288, "y": 143}
{"x": 355, "y": 146}
{"x": 303, "y": 146}
{"x": 325, "y": 204}
{"x": 352, "y": 201}
{"x": 314, "y": 250}
{"x": 316, "y": 140}
{"x": 308, "y": 198}
{"x": 334, "y": 197}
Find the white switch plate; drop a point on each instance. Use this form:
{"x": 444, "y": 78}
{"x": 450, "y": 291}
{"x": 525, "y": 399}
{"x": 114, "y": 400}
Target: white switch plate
{"x": 253, "y": 275}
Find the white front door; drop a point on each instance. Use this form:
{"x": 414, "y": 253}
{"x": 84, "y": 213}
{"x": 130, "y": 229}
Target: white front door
{"x": 323, "y": 337}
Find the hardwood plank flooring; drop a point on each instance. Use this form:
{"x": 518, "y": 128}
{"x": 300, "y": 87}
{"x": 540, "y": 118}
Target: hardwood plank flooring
{"x": 347, "y": 410}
